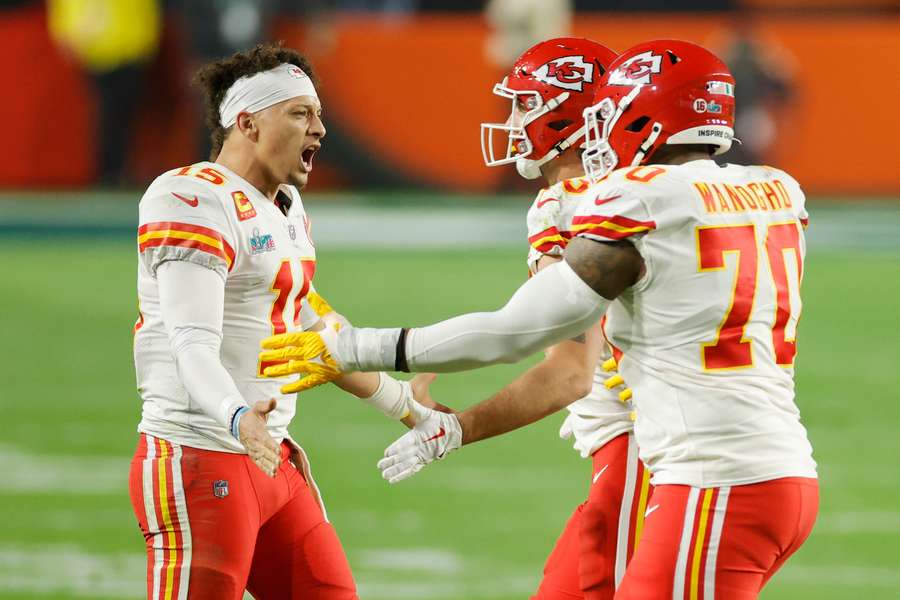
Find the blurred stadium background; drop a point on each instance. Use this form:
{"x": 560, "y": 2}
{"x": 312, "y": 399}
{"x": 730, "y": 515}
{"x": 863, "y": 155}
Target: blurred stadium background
{"x": 412, "y": 227}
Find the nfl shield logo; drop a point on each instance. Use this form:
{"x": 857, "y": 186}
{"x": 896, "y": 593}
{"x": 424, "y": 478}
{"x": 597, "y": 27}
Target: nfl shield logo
{"x": 220, "y": 488}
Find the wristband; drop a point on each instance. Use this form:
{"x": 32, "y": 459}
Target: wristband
{"x": 400, "y": 363}
{"x": 236, "y": 421}
{"x": 391, "y": 397}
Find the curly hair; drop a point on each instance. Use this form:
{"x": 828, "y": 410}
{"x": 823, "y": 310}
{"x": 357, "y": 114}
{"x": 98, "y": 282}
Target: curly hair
{"x": 217, "y": 77}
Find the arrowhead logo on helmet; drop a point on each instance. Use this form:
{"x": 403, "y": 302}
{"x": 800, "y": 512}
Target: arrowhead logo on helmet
{"x": 566, "y": 72}
{"x": 638, "y": 70}
{"x": 548, "y": 87}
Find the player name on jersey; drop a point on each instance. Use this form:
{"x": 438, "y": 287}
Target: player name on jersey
{"x": 736, "y": 198}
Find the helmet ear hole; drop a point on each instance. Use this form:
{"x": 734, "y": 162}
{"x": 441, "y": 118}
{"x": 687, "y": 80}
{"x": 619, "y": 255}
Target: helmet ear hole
{"x": 559, "y": 125}
{"x": 638, "y": 124}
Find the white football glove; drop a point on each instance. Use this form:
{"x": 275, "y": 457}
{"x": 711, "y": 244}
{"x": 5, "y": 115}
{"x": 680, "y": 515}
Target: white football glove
{"x": 435, "y": 435}
{"x": 565, "y": 431}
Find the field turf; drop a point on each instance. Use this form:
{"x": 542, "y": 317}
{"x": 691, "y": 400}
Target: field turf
{"x": 477, "y": 525}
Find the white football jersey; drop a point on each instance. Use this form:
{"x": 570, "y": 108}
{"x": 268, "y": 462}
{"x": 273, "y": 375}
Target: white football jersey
{"x": 205, "y": 214}
{"x": 708, "y": 332}
{"x": 600, "y": 416}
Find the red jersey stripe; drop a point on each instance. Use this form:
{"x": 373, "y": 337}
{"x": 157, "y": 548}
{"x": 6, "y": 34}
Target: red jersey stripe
{"x": 189, "y": 243}
{"x": 166, "y": 226}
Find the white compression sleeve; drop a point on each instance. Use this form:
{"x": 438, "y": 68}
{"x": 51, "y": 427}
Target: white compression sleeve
{"x": 552, "y": 306}
{"x": 192, "y": 300}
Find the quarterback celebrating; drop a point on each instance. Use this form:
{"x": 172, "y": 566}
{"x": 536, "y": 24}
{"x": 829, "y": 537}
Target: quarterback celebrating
{"x": 225, "y": 499}
{"x": 697, "y": 268}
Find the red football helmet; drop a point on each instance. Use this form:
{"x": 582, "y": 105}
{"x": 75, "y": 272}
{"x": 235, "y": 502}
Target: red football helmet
{"x": 550, "y": 86}
{"x": 658, "y": 92}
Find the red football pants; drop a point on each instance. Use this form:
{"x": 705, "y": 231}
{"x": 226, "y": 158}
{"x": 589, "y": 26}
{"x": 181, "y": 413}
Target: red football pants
{"x": 590, "y": 556}
{"x": 216, "y": 525}
{"x": 726, "y": 542}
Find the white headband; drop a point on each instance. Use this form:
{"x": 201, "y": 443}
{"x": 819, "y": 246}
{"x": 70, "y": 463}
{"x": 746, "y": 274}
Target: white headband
{"x": 253, "y": 93}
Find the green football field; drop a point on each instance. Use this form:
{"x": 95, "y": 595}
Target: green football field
{"x": 477, "y": 525}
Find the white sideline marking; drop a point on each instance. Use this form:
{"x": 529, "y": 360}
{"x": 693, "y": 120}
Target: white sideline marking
{"x": 57, "y": 569}
{"x": 25, "y": 472}
{"x": 69, "y": 569}
{"x": 431, "y": 560}
{"x": 862, "y": 577}
{"x": 878, "y": 522}
{"x": 487, "y": 587}
{"x": 433, "y": 574}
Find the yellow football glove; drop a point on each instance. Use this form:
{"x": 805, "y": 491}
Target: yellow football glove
{"x": 304, "y": 352}
{"x": 318, "y": 304}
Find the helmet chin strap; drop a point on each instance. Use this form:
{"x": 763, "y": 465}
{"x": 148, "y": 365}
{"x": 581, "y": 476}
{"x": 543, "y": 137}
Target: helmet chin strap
{"x": 647, "y": 144}
{"x": 599, "y": 158}
{"x": 531, "y": 169}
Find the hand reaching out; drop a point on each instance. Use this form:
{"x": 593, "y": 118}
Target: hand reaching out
{"x": 255, "y": 437}
{"x": 435, "y": 435}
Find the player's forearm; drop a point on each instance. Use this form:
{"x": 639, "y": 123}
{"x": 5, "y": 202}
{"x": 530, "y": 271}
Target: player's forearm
{"x": 202, "y": 374}
{"x": 361, "y": 385}
{"x": 381, "y": 391}
{"x": 191, "y": 299}
{"x": 541, "y": 391}
{"x": 552, "y": 306}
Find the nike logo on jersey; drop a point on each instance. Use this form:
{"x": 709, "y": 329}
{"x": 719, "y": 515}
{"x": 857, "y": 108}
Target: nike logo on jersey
{"x": 192, "y": 202}
{"x": 540, "y": 203}
{"x": 441, "y": 433}
{"x": 599, "y": 473}
{"x": 650, "y": 510}
{"x": 599, "y": 201}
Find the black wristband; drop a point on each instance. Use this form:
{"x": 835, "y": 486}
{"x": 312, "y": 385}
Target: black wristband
{"x": 400, "y": 363}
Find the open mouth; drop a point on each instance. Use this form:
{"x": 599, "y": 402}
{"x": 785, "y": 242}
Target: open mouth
{"x": 306, "y": 157}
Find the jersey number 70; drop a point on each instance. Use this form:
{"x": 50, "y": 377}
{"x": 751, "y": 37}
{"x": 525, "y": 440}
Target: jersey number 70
{"x": 730, "y": 349}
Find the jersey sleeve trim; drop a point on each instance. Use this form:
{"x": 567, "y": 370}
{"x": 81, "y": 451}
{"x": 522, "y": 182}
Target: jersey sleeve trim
{"x": 182, "y": 235}
{"x": 612, "y": 227}
{"x": 546, "y": 240}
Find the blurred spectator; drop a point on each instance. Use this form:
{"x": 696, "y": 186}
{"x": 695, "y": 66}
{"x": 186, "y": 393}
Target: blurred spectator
{"x": 763, "y": 72}
{"x": 113, "y": 41}
{"x": 219, "y": 28}
{"x": 519, "y": 24}
{"x": 516, "y": 25}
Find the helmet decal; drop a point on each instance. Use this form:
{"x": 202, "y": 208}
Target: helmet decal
{"x": 722, "y": 88}
{"x": 702, "y": 106}
{"x": 638, "y": 70}
{"x": 566, "y": 72}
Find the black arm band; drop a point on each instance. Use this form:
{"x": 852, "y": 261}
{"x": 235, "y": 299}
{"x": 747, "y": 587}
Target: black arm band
{"x": 400, "y": 360}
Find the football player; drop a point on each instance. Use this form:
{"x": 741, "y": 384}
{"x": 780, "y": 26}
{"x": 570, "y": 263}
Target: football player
{"x": 697, "y": 268}
{"x": 223, "y": 495}
{"x": 549, "y": 86}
